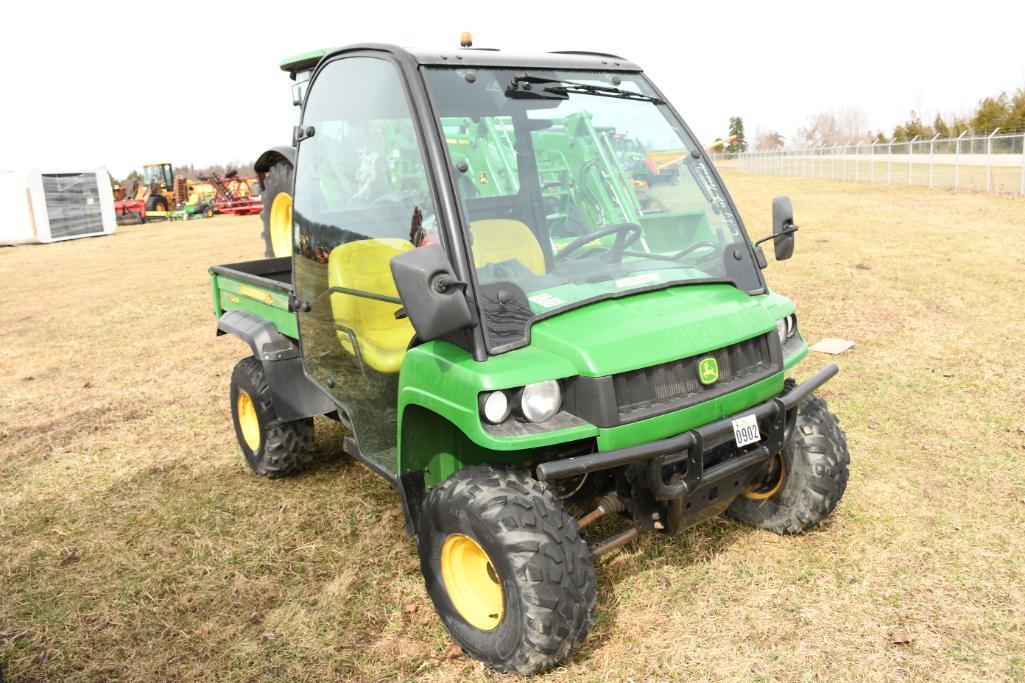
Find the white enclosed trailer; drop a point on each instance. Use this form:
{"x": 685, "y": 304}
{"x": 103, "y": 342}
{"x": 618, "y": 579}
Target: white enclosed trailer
{"x": 48, "y": 206}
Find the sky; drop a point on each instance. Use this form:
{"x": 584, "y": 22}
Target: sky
{"x": 122, "y": 84}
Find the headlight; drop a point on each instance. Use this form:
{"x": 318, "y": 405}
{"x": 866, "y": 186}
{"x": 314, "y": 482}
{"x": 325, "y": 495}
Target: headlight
{"x": 781, "y": 330}
{"x": 541, "y": 401}
{"x": 495, "y": 406}
{"x": 786, "y": 327}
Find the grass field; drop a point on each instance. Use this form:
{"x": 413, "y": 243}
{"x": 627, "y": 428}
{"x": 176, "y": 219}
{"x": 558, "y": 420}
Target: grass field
{"x": 136, "y": 545}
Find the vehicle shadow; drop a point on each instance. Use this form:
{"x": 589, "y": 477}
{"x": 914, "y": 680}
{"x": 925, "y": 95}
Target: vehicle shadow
{"x": 651, "y": 559}
{"x": 651, "y": 562}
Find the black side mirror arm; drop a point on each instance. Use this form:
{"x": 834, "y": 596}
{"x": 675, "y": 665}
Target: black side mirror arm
{"x": 789, "y": 230}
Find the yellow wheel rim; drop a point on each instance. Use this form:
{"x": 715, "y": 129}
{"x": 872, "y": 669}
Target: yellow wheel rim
{"x": 472, "y": 583}
{"x": 281, "y": 224}
{"x": 248, "y": 421}
{"x": 768, "y": 491}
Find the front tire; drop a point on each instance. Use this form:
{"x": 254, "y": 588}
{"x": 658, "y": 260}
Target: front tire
{"x": 507, "y": 569}
{"x": 277, "y": 209}
{"x": 272, "y": 448}
{"x": 156, "y": 202}
{"x": 806, "y": 481}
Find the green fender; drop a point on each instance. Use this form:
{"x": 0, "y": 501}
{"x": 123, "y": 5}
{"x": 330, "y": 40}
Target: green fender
{"x": 439, "y": 427}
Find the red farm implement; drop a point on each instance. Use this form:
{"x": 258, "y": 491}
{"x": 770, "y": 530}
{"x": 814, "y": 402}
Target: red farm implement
{"x": 234, "y": 195}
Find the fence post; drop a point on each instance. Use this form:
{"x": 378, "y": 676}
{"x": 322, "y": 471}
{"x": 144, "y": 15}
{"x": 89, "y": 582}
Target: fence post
{"x": 857, "y": 151}
{"x": 872, "y": 164}
{"x": 989, "y": 160}
{"x": 931, "y": 161}
{"x": 911, "y": 149}
{"x": 957, "y": 162}
{"x": 1021, "y": 188}
{"x": 889, "y": 162}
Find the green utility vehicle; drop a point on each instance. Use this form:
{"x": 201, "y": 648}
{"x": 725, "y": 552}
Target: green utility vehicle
{"x": 519, "y": 333}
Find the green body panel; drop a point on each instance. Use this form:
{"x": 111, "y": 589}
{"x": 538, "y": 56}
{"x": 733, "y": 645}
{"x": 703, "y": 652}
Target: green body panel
{"x": 444, "y": 379}
{"x": 439, "y": 448}
{"x": 440, "y": 429}
{"x": 272, "y": 305}
{"x": 650, "y": 328}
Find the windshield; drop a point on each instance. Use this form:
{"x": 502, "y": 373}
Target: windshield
{"x": 579, "y": 186}
{"x": 156, "y": 175}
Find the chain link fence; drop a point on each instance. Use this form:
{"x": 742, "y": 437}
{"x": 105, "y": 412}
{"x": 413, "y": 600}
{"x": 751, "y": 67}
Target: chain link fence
{"x": 993, "y": 163}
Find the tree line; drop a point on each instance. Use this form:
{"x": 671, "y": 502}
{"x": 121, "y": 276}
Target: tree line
{"x": 1005, "y": 111}
{"x": 245, "y": 170}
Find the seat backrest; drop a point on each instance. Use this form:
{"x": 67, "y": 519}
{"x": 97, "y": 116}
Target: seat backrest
{"x": 364, "y": 265}
{"x": 501, "y": 239}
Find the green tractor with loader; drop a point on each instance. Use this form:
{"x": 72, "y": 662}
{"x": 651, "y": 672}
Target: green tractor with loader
{"x": 517, "y": 333}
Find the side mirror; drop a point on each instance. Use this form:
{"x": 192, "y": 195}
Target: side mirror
{"x": 433, "y": 298}
{"x": 783, "y": 228}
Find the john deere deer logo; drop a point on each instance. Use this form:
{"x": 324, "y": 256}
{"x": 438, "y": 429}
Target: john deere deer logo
{"x": 708, "y": 370}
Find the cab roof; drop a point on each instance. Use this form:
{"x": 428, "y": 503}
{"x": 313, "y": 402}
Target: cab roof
{"x": 481, "y": 57}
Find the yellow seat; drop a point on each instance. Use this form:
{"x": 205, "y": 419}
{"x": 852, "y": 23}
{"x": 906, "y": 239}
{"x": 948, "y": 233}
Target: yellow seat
{"x": 364, "y": 265}
{"x": 499, "y": 239}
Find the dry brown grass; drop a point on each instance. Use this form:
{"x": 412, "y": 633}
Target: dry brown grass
{"x": 134, "y": 543}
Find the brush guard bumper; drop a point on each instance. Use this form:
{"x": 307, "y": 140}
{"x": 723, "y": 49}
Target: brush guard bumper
{"x": 775, "y": 417}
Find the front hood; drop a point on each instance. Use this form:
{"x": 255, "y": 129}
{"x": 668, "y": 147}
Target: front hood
{"x": 650, "y": 328}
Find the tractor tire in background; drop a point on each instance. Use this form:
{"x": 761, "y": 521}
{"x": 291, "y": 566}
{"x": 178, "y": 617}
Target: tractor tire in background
{"x": 805, "y": 481}
{"x": 156, "y": 203}
{"x": 506, "y": 568}
{"x": 277, "y": 209}
{"x": 272, "y": 447}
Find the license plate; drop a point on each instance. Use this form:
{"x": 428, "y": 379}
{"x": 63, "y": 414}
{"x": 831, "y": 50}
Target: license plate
{"x": 745, "y": 430}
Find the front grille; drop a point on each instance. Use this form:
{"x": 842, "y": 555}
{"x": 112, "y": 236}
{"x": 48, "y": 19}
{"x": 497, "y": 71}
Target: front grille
{"x": 674, "y": 385}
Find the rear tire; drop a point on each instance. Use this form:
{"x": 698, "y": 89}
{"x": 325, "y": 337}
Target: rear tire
{"x": 536, "y": 600}
{"x": 272, "y": 448}
{"x": 277, "y": 219}
{"x": 813, "y": 477}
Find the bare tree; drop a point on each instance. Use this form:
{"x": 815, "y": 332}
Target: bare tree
{"x": 768, "y": 140}
{"x": 244, "y": 169}
{"x": 834, "y": 127}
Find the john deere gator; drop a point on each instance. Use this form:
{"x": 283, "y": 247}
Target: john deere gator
{"x": 519, "y": 334}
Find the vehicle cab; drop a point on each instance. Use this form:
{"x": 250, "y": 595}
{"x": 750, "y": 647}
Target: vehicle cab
{"x": 583, "y": 298}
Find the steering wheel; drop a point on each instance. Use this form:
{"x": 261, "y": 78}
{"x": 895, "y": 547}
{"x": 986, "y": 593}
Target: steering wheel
{"x": 694, "y": 247}
{"x": 390, "y": 199}
{"x": 626, "y": 235}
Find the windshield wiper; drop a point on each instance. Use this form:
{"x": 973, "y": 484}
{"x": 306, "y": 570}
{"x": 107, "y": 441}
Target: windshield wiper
{"x": 552, "y": 88}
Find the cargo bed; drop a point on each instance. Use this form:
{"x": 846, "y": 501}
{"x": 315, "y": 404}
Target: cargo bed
{"x": 262, "y": 287}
